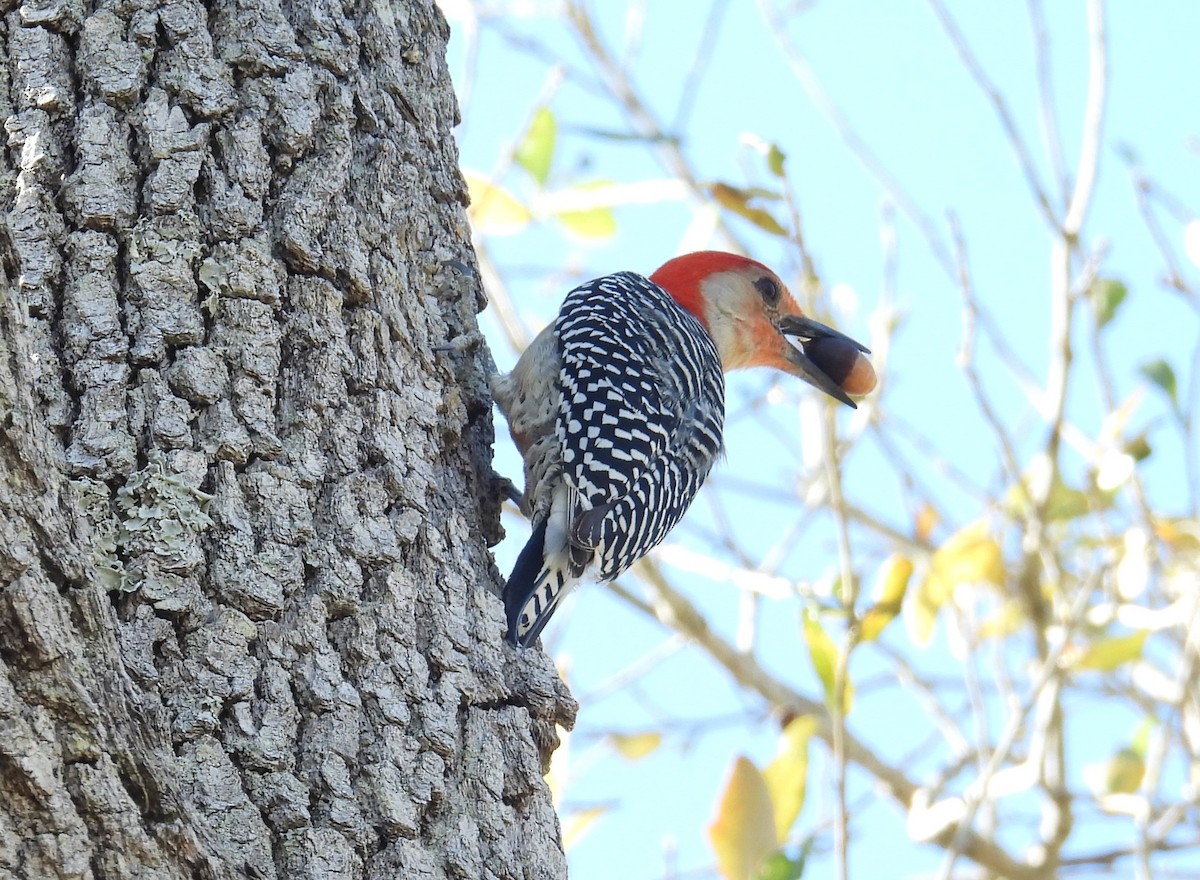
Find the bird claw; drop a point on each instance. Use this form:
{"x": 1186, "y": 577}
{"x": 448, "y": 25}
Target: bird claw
{"x": 460, "y": 343}
{"x": 506, "y": 489}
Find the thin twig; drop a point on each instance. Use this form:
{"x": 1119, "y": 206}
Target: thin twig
{"x": 849, "y": 600}
{"x": 1007, "y": 123}
{"x": 966, "y": 357}
{"x": 1088, "y": 166}
{"x": 808, "y": 80}
{"x": 1144, "y": 191}
{"x": 701, "y": 63}
{"x": 975, "y": 796}
{"x": 640, "y": 117}
{"x": 1049, "y": 114}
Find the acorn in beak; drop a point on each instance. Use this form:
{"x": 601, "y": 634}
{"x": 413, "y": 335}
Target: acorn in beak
{"x": 827, "y": 359}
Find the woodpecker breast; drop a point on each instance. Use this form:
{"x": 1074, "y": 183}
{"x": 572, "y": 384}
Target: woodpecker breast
{"x": 618, "y": 409}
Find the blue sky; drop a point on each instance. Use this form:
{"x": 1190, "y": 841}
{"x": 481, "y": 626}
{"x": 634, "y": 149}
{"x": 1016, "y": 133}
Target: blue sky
{"x": 892, "y": 71}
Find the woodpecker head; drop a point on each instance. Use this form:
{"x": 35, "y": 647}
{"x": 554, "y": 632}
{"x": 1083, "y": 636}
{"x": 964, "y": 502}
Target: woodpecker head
{"x": 755, "y": 322}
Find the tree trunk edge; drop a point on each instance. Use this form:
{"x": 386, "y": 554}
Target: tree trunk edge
{"x": 248, "y": 622}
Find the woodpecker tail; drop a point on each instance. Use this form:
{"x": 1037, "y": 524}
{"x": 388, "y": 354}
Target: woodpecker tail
{"x": 533, "y": 590}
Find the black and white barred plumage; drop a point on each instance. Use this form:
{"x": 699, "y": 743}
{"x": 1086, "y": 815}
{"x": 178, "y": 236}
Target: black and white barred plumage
{"x": 618, "y": 410}
{"x": 638, "y": 428}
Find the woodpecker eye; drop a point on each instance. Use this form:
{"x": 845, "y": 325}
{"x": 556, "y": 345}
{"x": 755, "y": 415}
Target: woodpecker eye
{"x": 768, "y": 288}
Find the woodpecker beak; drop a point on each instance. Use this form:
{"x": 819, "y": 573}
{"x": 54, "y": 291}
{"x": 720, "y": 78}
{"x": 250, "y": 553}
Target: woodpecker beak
{"x": 826, "y": 359}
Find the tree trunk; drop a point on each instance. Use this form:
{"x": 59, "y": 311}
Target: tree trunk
{"x": 248, "y": 623}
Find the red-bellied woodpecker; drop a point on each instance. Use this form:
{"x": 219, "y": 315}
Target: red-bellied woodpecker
{"x": 618, "y": 408}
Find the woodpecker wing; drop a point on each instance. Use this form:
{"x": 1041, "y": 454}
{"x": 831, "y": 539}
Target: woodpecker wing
{"x": 641, "y": 414}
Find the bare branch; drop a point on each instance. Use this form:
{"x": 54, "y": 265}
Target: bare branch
{"x": 675, "y": 611}
{"x": 643, "y": 121}
{"x": 808, "y": 80}
{"x": 1093, "y": 122}
{"x": 966, "y": 358}
{"x": 1047, "y": 674}
{"x": 1007, "y": 123}
{"x": 700, "y": 63}
{"x": 1049, "y": 114}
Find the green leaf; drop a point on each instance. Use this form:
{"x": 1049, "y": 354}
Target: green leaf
{"x": 536, "y": 150}
{"x": 1160, "y": 373}
{"x": 1124, "y": 772}
{"x": 775, "y": 160}
{"x": 1138, "y": 447}
{"x": 1106, "y": 654}
{"x": 824, "y": 654}
{"x": 779, "y": 866}
{"x": 1065, "y": 504}
{"x": 743, "y": 831}
{"x": 787, "y": 774}
{"x": 1107, "y": 294}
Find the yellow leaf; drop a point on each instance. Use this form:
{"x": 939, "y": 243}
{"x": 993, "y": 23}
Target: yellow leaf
{"x": 743, "y": 831}
{"x": 579, "y": 823}
{"x": 873, "y": 622}
{"x": 598, "y": 222}
{"x": 824, "y": 654}
{"x": 1125, "y": 772}
{"x": 595, "y": 223}
{"x": 920, "y": 614}
{"x": 969, "y": 556}
{"x": 494, "y": 210}
{"x": 787, "y": 774}
{"x": 739, "y": 202}
{"x": 1104, "y": 655}
{"x": 1004, "y": 621}
{"x": 635, "y": 746}
{"x": 536, "y": 149}
{"x": 890, "y": 587}
{"x": 1181, "y": 535}
{"x": 926, "y": 520}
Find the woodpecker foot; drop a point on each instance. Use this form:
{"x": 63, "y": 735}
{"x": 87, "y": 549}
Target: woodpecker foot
{"x": 506, "y": 489}
{"x": 460, "y": 343}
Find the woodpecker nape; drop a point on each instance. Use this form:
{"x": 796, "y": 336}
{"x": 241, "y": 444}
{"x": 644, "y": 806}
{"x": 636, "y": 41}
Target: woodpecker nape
{"x": 618, "y": 408}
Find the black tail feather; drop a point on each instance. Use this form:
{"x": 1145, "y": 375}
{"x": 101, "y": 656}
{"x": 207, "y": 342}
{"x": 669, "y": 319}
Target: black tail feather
{"x": 522, "y": 584}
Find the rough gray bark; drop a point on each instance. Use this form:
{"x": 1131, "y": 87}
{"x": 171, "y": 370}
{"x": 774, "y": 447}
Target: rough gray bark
{"x": 247, "y": 615}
